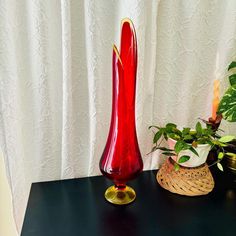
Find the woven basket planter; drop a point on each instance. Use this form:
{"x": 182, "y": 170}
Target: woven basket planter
{"x": 189, "y": 181}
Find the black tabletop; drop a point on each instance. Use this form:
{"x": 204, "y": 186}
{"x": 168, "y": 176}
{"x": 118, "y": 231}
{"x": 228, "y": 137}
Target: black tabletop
{"x": 77, "y": 207}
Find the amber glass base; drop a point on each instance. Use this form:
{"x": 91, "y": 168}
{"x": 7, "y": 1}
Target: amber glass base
{"x": 119, "y": 196}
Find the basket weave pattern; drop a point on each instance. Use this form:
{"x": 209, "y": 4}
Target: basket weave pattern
{"x": 186, "y": 181}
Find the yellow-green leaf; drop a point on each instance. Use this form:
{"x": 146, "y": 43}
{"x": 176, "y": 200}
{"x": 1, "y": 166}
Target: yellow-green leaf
{"x": 176, "y": 166}
{"x": 227, "y": 138}
{"x": 220, "y": 167}
{"x": 230, "y": 154}
{"x": 220, "y": 155}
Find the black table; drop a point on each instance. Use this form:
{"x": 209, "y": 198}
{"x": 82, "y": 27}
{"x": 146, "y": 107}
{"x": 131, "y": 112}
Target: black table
{"x": 77, "y": 207}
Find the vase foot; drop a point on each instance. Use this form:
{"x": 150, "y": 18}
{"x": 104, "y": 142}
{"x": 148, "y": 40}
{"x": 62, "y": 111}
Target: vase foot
{"x": 120, "y": 196}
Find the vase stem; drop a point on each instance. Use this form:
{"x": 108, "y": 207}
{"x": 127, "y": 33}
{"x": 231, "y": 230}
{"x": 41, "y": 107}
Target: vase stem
{"x": 120, "y": 186}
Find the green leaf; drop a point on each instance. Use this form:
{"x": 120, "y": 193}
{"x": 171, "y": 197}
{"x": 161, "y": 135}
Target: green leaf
{"x": 180, "y": 145}
{"x": 153, "y": 126}
{"x": 176, "y": 166}
{"x": 165, "y": 149}
{"x": 177, "y": 132}
{"x": 183, "y": 159}
{"x": 227, "y": 106}
{"x": 192, "y": 132}
{"x": 174, "y": 136}
{"x": 157, "y": 136}
{"x": 185, "y": 131}
{"x": 232, "y": 79}
{"x": 201, "y": 141}
{"x": 198, "y": 128}
{"x": 194, "y": 151}
{"x": 188, "y": 137}
{"x": 171, "y": 126}
{"x": 209, "y": 142}
{"x": 220, "y": 155}
{"x": 227, "y": 138}
{"x": 165, "y": 136}
{"x": 220, "y": 167}
{"x": 169, "y": 154}
{"x": 207, "y": 132}
{"x": 232, "y": 65}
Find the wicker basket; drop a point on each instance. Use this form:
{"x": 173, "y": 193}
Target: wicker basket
{"x": 186, "y": 181}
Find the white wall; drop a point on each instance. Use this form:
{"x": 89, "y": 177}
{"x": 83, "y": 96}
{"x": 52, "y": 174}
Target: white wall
{"x": 7, "y": 224}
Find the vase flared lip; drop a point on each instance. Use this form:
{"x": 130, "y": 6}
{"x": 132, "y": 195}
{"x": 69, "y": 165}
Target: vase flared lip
{"x": 117, "y": 54}
{"x": 128, "y": 20}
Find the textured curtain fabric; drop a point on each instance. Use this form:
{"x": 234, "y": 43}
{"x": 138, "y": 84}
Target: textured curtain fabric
{"x": 55, "y": 78}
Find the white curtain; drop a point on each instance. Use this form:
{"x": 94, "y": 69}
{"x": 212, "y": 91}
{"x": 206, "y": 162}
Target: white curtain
{"x": 55, "y": 78}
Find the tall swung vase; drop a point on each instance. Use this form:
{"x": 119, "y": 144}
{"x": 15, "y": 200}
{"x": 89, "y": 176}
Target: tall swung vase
{"x": 121, "y": 159}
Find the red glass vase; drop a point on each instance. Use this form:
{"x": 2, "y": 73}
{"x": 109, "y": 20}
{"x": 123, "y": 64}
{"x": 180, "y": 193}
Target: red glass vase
{"x": 121, "y": 159}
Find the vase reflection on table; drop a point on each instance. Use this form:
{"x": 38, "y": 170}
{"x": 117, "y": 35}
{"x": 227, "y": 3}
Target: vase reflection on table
{"x": 121, "y": 159}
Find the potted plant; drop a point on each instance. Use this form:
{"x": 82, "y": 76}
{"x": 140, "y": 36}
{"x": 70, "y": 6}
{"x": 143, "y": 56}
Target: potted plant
{"x": 186, "y": 171}
{"x": 189, "y": 147}
{"x": 227, "y": 110}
